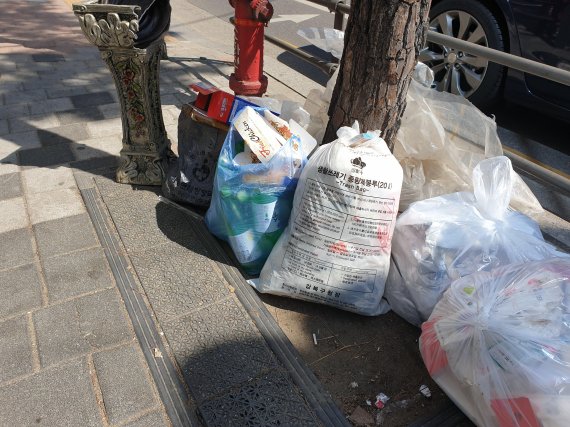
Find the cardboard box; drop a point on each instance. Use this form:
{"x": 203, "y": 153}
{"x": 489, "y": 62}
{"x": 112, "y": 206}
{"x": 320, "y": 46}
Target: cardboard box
{"x": 218, "y": 104}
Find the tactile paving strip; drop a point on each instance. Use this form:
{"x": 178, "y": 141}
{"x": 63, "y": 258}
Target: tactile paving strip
{"x": 218, "y": 347}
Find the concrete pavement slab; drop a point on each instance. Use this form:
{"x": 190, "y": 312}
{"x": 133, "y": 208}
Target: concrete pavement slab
{"x": 105, "y": 128}
{"x": 13, "y": 142}
{"x": 94, "y": 163}
{"x": 41, "y": 180}
{"x": 55, "y": 204}
{"x": 13, "y": 214}
{"x": 80, "y": 326}
{"x": 15, "y": 110}
{"x": 22, "y": 97}
{"x": 60, "y": 90}
{"x": 80, "y": 115}
{"x": 77, "y": 273}
{"x": 48, "y": 57}
{"x": 92, "y": 99}
{"x": 65, "y": 235}
{"x": 154, "y": 419}
{"x": 110, "y": 111}
{"x": 32, "y": 123}
{"x": 16, "y": 248}
{"x": 98, "y": 147}
{"x": 59, "y": 334}
{"x": 155, "y": 224}
{"x": 20, "y": 290}
{"x": 51, "y": 105}
{"x": 177, "y": 280}
{"x": 125, "y": 385}
{"x": 218, "y": 348}
{"x": 11, "y": 86}
{"x": 4, "y": 126}
{"x": 15, "y": 350}
{"x": 62, "y": 396}
{"x": 9, "y": 164}
{"x": 63, "y": 134}
{"x": 10, "y": 186}
{"x": 46, "y": 156}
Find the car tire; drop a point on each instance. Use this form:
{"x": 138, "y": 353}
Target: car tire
{"x": 467, "y": 69}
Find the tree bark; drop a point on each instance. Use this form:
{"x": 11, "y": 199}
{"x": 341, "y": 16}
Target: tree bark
{"x": 382, "y": 43}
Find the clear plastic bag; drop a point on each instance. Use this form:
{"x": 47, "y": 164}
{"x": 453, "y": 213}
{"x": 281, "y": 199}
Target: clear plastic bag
{"x": 251, "y": 203}
{"x": 498, "y": 344}
{"x": 336, "y": 248}
{"x": 441, "y": 139}
{"x": 441, "y": 239}
{"x": 328, "y": 39}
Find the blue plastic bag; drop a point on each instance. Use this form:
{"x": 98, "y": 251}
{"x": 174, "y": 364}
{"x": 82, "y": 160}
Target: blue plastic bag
{"x": 251, "y": 203}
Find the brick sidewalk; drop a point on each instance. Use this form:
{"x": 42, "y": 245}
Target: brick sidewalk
{"x": 68, "y": 353}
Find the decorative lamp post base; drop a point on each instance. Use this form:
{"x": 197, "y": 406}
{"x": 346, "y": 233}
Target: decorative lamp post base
{"x": 146, "y": 147}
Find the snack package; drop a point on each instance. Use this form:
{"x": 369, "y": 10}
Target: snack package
{"x": 441, "y": 239}
{"x": 259, "y": 135}
{"x": 336, "y": 248}
{"x": 251, "y": 202}
{"x": 498, "y": 344}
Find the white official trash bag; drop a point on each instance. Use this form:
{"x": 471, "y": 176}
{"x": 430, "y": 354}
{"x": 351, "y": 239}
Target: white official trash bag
{"x": 336, "y": 247}
{"x": 498, "y": 345}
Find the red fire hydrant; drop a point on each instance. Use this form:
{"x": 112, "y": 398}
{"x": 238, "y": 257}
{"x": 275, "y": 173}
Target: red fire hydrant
{"x": 251, "y": 18}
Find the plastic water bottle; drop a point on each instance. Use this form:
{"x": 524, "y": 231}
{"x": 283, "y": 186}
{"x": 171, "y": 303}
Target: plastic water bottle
{"x": 265, "y": 217}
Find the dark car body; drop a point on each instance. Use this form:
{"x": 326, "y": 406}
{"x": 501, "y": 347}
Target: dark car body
{"x": 538, "y": 30}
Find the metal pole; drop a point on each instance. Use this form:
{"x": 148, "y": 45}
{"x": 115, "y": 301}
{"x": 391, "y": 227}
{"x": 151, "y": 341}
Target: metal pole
{"x": 339, "y": 21}
{"x": 511, "y": 61}
{"x": 538, "y": 171}
{"x": 334, "y": 5}
{"x": 506, "y": 59}
{"x": 327, "y": 67}
{"x": 338, "y": 25}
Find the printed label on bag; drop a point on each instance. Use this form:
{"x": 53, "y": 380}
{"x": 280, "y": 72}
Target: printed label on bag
{"x": 266, "y": 219}
{"x": 244, "y": 246}
{"x": 343, "y": 229}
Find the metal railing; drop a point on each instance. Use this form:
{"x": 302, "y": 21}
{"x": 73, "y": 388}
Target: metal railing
{"x": 339, "y": 8}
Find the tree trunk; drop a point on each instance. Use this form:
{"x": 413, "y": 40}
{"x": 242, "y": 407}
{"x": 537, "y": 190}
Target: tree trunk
{"x": 381, "y": 47}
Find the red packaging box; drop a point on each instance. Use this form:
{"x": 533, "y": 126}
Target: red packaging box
{"x": 216, "y": 103}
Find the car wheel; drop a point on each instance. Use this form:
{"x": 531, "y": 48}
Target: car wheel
{"x": 456, "y": 71}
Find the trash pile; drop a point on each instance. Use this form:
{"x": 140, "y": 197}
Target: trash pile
{"x": 319, "y": 223}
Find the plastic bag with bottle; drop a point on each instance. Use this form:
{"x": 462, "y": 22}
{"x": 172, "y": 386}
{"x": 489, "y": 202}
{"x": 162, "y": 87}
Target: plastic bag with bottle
{"x": 498, "y": 344}
{"x": 251, "y": 201}
{"x": 336, "y": 248}
{"x": 441, "y": 239}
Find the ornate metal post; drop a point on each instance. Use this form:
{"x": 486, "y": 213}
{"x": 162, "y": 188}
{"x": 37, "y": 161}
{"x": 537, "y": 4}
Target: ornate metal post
{"x": 146, "y": 148}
